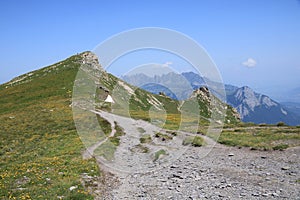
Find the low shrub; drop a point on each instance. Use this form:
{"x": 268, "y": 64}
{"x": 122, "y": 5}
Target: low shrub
{"x": 280, "y": 124}
{"x": 158, "y": 154}
{"x": 141, "y": 130}
{"x": 163, "y": 136}
{"x": 195, "y": 141}
{"x": 145, "y": 138}
{"x": 281, "y": 147}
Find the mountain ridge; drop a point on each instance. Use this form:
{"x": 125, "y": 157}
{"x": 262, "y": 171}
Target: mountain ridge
{"x": 252, "y": 106}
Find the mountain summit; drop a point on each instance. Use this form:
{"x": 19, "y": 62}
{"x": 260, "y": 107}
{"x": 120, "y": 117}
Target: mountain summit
{"x": 259, "y": 108}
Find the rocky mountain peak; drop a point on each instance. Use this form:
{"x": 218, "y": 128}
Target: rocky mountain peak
{"x": 203, "y": 92}
{"x": 89, "y": 57}
{"x": 259, "y": 108}
{"x": 90, "y": 62}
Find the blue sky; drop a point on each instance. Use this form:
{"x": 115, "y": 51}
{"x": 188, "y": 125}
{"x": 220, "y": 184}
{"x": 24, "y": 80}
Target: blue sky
{"x": 265, "y": 35}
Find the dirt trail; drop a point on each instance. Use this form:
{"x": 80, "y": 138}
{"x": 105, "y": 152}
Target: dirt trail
{"x": 197, "y": 173}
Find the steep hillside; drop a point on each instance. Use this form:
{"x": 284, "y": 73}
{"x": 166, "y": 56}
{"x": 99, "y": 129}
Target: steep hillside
{"x": 40, "y": 154}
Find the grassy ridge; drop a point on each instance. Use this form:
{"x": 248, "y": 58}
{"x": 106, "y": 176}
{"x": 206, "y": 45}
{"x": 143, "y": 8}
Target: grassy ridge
{"x": 40, "y": 156}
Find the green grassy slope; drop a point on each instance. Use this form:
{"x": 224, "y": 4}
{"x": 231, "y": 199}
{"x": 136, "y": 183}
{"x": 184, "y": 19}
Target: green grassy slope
{"x": 40, "y": 151}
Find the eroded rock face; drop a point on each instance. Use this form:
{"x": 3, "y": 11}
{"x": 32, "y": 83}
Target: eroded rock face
{"x": 91, "y": 61}
{"x": 89, "y": 57}
{"x": 203, "y": 93}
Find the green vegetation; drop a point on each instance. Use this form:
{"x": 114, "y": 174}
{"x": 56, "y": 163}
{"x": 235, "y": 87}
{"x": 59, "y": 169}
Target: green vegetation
{"x": 104, "y": 124}
{"x": 141, "y": 130}
{"x": 119, "y": 130}
{"x": 173, "y": 133}
{"x": 195, "y": 141}
{"x": 163, "y": 136}
{"x": 40, "y": 156}
{"x": 281, "y": 147}
{"x": 281, "y": 124}
{"x": 140, "y": 148}
{"x": 261, "y": 138}
{"x": 108, "y": 148}
{"x": 158, "y": 154}
{"x": 146, "y": 138}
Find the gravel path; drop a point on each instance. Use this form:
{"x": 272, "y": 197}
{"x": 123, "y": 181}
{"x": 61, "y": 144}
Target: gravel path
{"x": 210, "y": 172}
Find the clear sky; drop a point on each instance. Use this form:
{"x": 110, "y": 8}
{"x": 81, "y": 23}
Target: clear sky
{"x": 253, "y": 42}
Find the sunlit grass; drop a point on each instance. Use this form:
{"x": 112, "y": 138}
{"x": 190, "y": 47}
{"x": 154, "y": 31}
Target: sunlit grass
{"x": 262, "y": 138}
{"x": 40, "y": 156}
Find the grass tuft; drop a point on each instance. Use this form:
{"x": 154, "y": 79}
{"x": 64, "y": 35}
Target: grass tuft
{"x": 158, "y": 154}
{"x": 195, "y": 141}
{"x": 146, "y": 138}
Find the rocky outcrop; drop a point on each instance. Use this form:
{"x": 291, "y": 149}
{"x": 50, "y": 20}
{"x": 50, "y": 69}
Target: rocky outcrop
{"x": 89, "y": 62}
{"x": 203, "y": 92}
{"x": 208, "y": 104}
{"x": 90, "y": 58}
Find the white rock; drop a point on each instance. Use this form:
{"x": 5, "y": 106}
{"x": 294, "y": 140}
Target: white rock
{"x": 73, "y": 188}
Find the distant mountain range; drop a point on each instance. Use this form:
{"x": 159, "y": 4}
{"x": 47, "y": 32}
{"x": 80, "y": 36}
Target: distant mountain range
{"x": 252, "y": 106}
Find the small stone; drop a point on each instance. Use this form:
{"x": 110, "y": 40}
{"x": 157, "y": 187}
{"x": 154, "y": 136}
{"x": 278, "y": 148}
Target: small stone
{"x": 220, "y": 194}
{"x": 224, "y": 181}
{"x": 171, "y": 188}
{"x": 263, "y": 157}
{"x": 275, "y": 194}
{"x": 230, "y": 154}
{"x": 177, "y": 176}
{"x": 292, "y": 173}
{"x": 255, "y": 194}
{"x": 162, "y": 180}
{"x": 95, "y": 183}
{"x": 285, "y": 168}
{"x": 72, "y": 188}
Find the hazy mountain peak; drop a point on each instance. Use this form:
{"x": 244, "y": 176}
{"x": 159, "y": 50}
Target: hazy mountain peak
{"x": 246, "y": 95}
{"x": 259, "y": 108}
